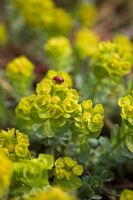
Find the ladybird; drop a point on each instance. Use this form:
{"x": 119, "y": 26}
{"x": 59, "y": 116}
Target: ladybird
{"x": 58, "y": 79}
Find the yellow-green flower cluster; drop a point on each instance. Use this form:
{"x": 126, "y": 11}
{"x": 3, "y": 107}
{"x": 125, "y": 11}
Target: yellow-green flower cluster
{"x": 86, "y": 42}
{"x": 45, "y": 15}
{"x": 126, "y": 105}
{"x": 20, "y": 69}
{"x": 86, "y": 14}
{"x": 32, "y": 173}
{"x": 20, "y": 73}
{"x": 14, "y": 144}
{"x": 61, "y": 26}
{"x": 126, "y": 195}
{"x": 55, "y": 103}
{"x": 37, "y": 13}
{"x": 124, "y": 41}
{"x": 59, "y": 52}
{"x": 112, "y": 59}
{"x": 6, "y": 169}
{"x": 66, "y": 167}
{"x": 3, "y": 35}
{"x": 89, "y": 119}
{"x": 52, "y": 194}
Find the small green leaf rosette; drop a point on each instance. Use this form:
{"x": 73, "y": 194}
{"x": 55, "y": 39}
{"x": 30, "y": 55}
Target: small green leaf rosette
{"x": 93, "y": 183}
{"x": 67, "y": 172}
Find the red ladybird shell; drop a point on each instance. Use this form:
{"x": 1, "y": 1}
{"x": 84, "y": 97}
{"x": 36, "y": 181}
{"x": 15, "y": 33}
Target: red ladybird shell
{"x": 58, "y": 79}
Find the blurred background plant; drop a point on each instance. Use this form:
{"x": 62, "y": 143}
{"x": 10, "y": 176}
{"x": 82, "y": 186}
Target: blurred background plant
{"x": 92, "y": 41}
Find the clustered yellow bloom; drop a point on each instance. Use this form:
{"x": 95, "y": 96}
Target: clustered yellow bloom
{"x": 3, "y": 34}
{"x": 37, "y": 13}
{"x": 6, "y": 169}
{"x": 66, "y": 167}
{"x": 59, "y": 52}
{"x": 124, "y": 41}
{"x": 86, "y": 42}
{"x": 55, "y": 103}
{"x": 20, "y": 74}
{"x": 89, "y": 119}
{"x": 86, "y": 14}
{"x": 32, "y": 173}
{"x": 62, "y": 22}
{"x": 20, "y": 69}
{"x": 112, "y": 59}
{"x": 126, "y": 195}
{"x": 52, "y": 194}
{"x": 45, "y": 15}
{"x": 14, "y": 144}
{"x": 126, "y": 105}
